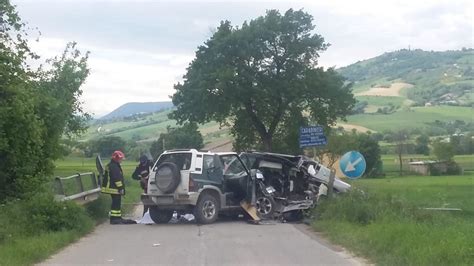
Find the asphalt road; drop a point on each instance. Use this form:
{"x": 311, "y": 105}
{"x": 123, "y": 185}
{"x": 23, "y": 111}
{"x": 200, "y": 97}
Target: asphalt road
{"x": 221, "y": 243}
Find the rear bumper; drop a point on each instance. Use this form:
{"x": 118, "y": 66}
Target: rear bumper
{"x": 174, "y": 201}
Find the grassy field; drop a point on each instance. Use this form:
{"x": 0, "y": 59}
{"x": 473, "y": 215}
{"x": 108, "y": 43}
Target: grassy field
{"x": 381, "y": 101}
{"x": 418, "y": 117}
{"x": 391, "y": 164}
{"x": 388, "y": 225}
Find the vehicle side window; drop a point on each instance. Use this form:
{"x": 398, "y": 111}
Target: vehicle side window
{"x": 249, "y": 161}
{"x": 211, "y": 169}
{"x": 232, "y": 165}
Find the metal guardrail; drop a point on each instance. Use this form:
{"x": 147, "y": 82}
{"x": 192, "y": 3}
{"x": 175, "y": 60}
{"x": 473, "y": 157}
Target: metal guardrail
{"x": 82, "y": 196}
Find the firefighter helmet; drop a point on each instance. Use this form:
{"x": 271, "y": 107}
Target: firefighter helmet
{"x": 117, "y": 156}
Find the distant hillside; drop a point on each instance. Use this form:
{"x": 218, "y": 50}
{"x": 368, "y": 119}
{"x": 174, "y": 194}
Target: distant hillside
{"x": 148, "y": 127}
{"x": 130, "y": 109}
{"x": 433, "y": 78}
{"x": 395, "y": 90}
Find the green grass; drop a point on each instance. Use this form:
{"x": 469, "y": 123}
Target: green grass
{"x": 29, "y": 250}
{"x": 418, "y": 117}
{"x": 388, "y": 225}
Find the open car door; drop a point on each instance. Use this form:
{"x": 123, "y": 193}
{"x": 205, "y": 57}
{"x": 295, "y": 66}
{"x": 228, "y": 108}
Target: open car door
{"x": 100, "y": 169}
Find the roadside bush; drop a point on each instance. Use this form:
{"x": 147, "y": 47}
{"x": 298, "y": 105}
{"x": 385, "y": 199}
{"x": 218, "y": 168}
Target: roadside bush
{"x": 453, "y": 168}
{"x": 47, "y": 215}
{"x": 434, "y": 171}
{"x": 39, "y": 214}
{"x": 99, "y": 208}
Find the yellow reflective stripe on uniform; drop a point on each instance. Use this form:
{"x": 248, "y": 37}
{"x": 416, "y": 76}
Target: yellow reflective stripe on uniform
{"x": 115, "y": 214}
{"x": 119, "y": 183}
{"x": 109, "y": 190}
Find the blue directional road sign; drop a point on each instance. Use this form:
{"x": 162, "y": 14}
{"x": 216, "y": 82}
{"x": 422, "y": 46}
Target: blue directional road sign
{"x": 312, "y": 136}
{"x": 352, "y": 164}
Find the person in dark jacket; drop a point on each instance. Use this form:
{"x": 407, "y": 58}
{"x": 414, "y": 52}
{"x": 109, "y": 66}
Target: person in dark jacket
{"x": 113, "y": 184}
{"x": 141, "y": 173}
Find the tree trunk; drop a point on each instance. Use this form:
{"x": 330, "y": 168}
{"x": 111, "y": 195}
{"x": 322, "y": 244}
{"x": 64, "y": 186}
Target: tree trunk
{"x": 267, "y": 143}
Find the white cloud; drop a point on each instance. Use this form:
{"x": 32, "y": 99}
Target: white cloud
{"x": 119, "y": 76}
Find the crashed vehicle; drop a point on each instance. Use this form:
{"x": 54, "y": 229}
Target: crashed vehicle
{"x": 287, "y": 184}
{"x": 207, "y": 184}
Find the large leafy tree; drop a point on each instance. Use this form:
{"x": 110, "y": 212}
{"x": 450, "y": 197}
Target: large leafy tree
{"x": 36, "y": 107}
{"x": 260, "y": 78}
{"x": 184, "y": 137}
{"x": 105, "y": 146}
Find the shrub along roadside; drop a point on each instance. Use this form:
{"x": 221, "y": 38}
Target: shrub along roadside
{"x": 391, "y": 231}
{"x": 35, "y": 228}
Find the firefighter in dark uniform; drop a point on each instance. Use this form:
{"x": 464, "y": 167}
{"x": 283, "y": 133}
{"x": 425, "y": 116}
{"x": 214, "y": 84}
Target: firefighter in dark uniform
{"x": 114, "y": 185}
{"x": 141, "y": 173}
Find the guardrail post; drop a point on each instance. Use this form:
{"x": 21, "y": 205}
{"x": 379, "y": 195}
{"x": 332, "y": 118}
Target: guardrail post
{"x": 95, "y": 183}
{"x": 331, "y": 183}
{"x": 79, "y": 182}
{"x": 58, "y": 186}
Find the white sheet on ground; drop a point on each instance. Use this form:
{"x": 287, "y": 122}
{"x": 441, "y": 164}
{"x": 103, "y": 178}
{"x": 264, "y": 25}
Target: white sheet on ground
{"x": 146, "y": 219}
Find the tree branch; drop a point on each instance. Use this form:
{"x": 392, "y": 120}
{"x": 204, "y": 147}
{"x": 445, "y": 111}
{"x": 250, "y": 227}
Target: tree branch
{"x": 256, "y": 121}
{"x": 276, "y": 119}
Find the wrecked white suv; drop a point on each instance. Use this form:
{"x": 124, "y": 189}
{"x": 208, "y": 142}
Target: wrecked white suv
{"x": 201, "y": 182}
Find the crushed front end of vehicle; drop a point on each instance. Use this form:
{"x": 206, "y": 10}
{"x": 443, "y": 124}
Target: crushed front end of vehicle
{"x": 287, "y": 185}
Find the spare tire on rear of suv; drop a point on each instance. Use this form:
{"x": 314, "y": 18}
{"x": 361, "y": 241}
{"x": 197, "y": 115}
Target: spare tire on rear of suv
{"x": 167, "y": 177}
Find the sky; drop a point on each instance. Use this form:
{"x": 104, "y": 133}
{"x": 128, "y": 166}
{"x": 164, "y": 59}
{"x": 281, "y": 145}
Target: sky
{"x": 140, "y": 49}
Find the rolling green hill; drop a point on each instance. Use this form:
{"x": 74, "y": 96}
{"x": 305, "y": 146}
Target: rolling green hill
{"x": 426, "y": 77}
{"x": 148, "y": 127}
{"x": 130, "y": 109}
{"x": 413, "y": 89}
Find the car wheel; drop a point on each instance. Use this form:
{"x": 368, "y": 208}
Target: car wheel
{"x": 160, "y": 216}
{"x": 207, "y": 209}
{"x": 265, "y": 207}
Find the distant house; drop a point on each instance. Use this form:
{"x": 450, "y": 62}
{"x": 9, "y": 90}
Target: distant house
{"x": 426, "y": 167}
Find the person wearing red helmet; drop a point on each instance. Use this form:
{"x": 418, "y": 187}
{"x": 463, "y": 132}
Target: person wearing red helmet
{"x": 113, "y": 184}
